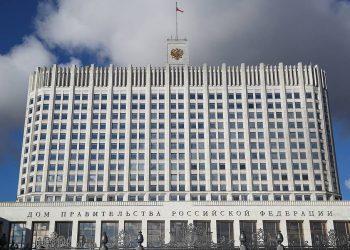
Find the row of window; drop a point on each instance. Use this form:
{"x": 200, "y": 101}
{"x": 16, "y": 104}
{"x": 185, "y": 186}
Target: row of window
{"x": 174, "y": 166}
{"x": 180, "y": 96}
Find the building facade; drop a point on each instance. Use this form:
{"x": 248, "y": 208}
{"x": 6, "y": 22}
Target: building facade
{"x": 228, "y": 149}
{"x": 178, "y": 133}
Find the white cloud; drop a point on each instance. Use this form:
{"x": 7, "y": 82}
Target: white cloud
{"x": 73, "y": 61}
{"x": 134, "y": 32}
{"x": 347, "y": 183}
{"x": 114, "y": 29}
{"x": 15, "y": 67}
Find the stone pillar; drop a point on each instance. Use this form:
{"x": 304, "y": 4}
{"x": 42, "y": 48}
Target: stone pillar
{"x": 307, "y": 231}
{"x": 75, "y": 229}
{"x": 236, "y": 232}
{"x": 51, "y": 227}
{"x": 213, "y": 230}
{"x": 98, "y": 233}
{"x": 167, "y": 231}
{"x": 144, "y": 228}
{"x": 283, "y": 229}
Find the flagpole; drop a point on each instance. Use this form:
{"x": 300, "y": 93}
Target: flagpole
{"x": 176, "y": 37}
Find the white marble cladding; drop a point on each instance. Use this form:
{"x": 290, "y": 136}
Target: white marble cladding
{"x": 281, "y": 119}
{"x": 269, "y": 75}
{"x": 305, "y": 212}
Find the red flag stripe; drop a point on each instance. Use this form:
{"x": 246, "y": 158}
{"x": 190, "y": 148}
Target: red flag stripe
{"x": 177, "y": 9}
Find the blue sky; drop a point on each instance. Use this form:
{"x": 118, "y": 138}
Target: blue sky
{"x": 125, "y": 32}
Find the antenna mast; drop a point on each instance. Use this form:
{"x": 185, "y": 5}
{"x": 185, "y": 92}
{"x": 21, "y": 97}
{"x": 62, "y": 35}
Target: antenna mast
{"x": 176, "y": 34}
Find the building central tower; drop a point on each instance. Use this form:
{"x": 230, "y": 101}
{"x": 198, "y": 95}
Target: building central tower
{"x": 177, "y": 52}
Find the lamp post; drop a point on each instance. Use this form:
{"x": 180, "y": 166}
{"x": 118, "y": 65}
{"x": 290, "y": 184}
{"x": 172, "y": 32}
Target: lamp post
{"x": 279, "y": 241}
{"x": 243, "y": 240}
{"x": 104, "y": 241}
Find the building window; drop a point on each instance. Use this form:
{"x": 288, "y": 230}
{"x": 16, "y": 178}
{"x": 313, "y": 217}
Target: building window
{"x": 155, "y": 233}
{"x": 111, "y": 229}
{"x": 249, "y": 228}
{"x": 40, "y": 231}
{"x": 295, "y": 233}
{"x": 133, "y": 228}
{"x": 86, "y": 236}
{"x": 18, "y": 234}
{"x": 204, "y": 231}
{"x": 177, "y": 230}
{"x": 342, "y": 231}
{"x": 64, "y": 229}
{"x": 271, "y": 229}
{"x": 318, "y": 232}
{"x": 224, "y": 231}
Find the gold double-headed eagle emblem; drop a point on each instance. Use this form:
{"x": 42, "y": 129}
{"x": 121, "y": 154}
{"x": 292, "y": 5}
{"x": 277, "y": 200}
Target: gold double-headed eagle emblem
{"x": 176, "y": 53}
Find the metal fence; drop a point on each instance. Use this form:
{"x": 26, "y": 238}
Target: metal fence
{"x": 193, "y": 237}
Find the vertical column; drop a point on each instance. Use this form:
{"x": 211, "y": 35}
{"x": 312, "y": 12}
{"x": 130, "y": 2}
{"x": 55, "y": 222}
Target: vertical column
{"x": 187, "y": 133}
{"x": 329, "y": 225}
{"x": 206, "y": 128}
{"x": 213, "y": 230}
{"x": 307, "y": 231}
{"x": 19, "y": 184}
{"x": 167, "y": 231}
{"x": 121, "y": 224}
{"x": 98, "y": 233}
{"x": 128, "y": 128}
{"x": 325, "y": 173}
{"x": 226, "y": 131}
{"x": 106, "y": 171}
{"x": 246, "y": 131}
{"x": 29, "y": 232}
{"x": 167, "y": 132}
{"x": 283, "y": 229}
{"x": 306, "y": 131}
{"x": 32, "y": 82}
{"x": 144, "y": 226}
{"x": 89, "y": 118}
{"x": 52, "y": 226}
{"x": 259, "y": 224}
{"x": 69, "y": 131}
{"x": 286, "y": 129}
{"x": 266, "y": 129}
{"x": 328, "y": 145}
{"x": 31, "y": 141}
{"x": 75, "y": 233}
{"x": 49, "y": 127}
{"x": 236, "y": 232}
{"x": 149, "y": 80}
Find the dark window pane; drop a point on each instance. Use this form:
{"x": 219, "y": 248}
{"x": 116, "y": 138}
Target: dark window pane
{"x": 249, "y": 228}
{"x": 18, "y": 234}
{"x": 177, "y": 230}
{"x": 224, "y": 231}
{"x": 271, "y": 229}
{"x": 155, "y": 233}
{"x": 86, "y": 236}
{"x": 111, "y": 229}
{"x": 295, "y": 233}
{"x": 318, "y": 232}
{"x": 40, "y": 231}
{"x": 64, "y": 229}
{"x": 133, "y": 228}
{"x": 203, "y": 230}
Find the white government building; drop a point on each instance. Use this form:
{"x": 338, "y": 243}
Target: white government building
{"x": 151, "y": 149}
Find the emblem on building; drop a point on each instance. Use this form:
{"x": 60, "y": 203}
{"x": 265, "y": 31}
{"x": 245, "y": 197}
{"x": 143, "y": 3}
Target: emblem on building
{"x": 176, "y": 53}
